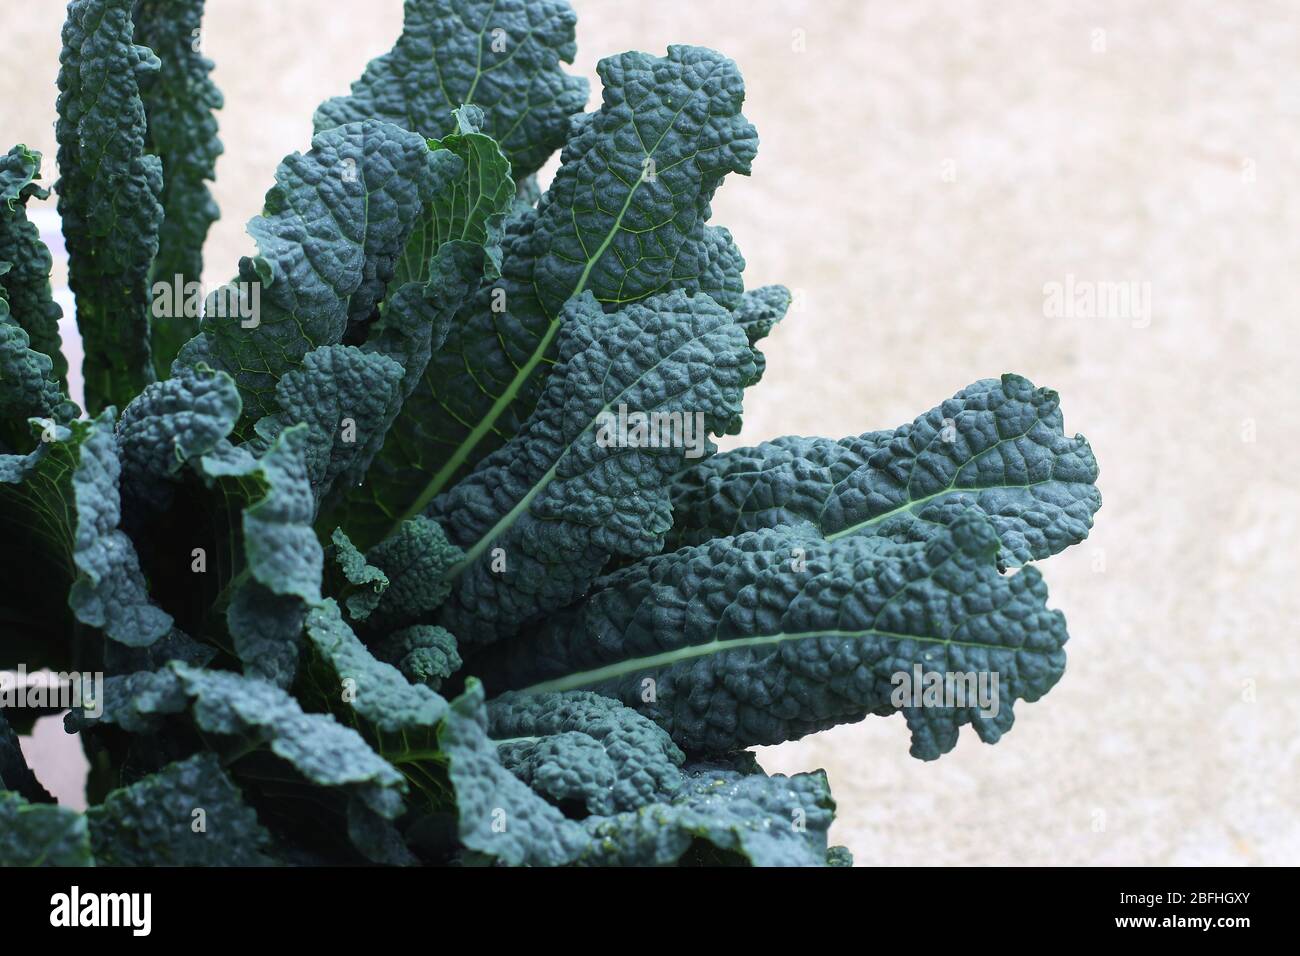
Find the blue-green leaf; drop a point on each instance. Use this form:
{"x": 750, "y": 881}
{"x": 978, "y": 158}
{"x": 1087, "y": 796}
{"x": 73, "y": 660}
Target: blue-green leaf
{"x": 497, "y": 814}
{"x": 399, "y": 718}
{"x": 425, "y": 653}
{"x": 60, "y": 507}
{"x": 187, "y": 814}
{"x": 501, "y": 55}
{"x": 28, "y": 388}
{"x": 997, "y": 447}
{"x": 539, "y": 518}
{"x": 27, "y": 282}
{"x": 347, "y": 398}
{"x": 328, "y": 242}
{"x": 179, "y": 100}
{"x": 625, "y": 218}
{"x": 109, "y": 196}
{"x": 775, "y": 634}
{"x": 369, "y": 581}
{"x": 722, "y": 816}
{"x": 109, "y": 591}
{"x": 456, "y": 246}
{"x": 377, "y": 692}
{"x": 583, "y": 748}
{"x": 41, "y": 834}
{"x": 758, "y": 313}
{"x": 171, "y": 423}
{"x": 247, "y": 715}
{"x": 281, "y": 578}
{"x": 416, "y": 561}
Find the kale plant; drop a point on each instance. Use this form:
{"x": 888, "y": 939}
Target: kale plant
{"x": 411, "y": 544}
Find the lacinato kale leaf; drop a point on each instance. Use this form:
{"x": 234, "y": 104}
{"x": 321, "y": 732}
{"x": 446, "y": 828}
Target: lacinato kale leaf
{"x": 418, "y": 550}
{"x": 26, "y": 282}
{"x": 771, "y": 635}
{"x": 41, "y": 834}
{"x": 179, "y": 101}
{"x": 328, "y": 242}
{"x": 579, "y": 746}
{"x": 996, "y": 447}
{"x": 540, "y": 517}
{"x": 28, "y": 389}
{"x": 503, "y": 56}
{"x": 624, "y": 219}
{"x": 110, "y": 190}
{"x": 189, "y": 813}
{"x": 62, "y": 510}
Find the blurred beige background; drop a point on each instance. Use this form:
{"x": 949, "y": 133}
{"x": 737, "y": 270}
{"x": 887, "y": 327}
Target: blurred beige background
{"x": 926, "y": 168}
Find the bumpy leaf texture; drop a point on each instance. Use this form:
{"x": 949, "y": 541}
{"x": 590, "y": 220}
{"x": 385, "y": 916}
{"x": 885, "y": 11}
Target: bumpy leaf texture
{"x": 41, "y": 834}
{"x": 997, "y": 447}
{"x": 347, "y": 397}
{"x": 415, "y": 562}
{"x": 27, "y": 385}
{"x": 109, "y": 592}
{"x": 501, "y": 55}
{"x": 506, "y": 494}
{"x": 771, "y": 635}
{"x": 758, "y": 313}
{"x": 472, "y": 213}
{"x": 625, "y": 218}
{"x": 189, "y": 813}
{"x": 585, "y": 748}
{"x": 109, "y": 196}
{"x": 539, "y": 518}
{"x": 498, "y": 815}
{"x": 366, "y": 582}
{"x": 376, "y": 691}
{"x": 328, "y": 240}
{"x": 246, "y": 716}
{"x": 281, "y": 577}
{"x": 614, "y": 771}
{"x": 454, "y": 248}
{"x": 62, "y": 508}
{"x": 170, "y": 424}
{"x": 426, "y": 654}
{"x": 722, "y": 816}
{"x": 397, "y": 717}
{"x": 27, "y": 283}
{"x": 179, "y": 100}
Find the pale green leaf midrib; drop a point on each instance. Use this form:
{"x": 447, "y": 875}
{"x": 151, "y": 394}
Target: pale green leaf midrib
{"x": 443, "y": 475}
{"x": 511, "y": 391}
{"x": 918, "y": 502}
{"x": 509, "y": 518}
{"x": 664, "y": 659}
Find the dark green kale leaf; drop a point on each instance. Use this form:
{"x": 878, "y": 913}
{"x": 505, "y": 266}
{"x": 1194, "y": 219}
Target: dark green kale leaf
{"x": 501, "y": 55}
{"x": 27, "y": 281}
{"x": 624, "y": 219}
{"x": 997, "y": 447}
{"x": 771, "y": 635}
{"x": 539, "y": 518}
{"x": 189, "y": 813}
{"x": 179, "y": 100}
{"x": 110, "y": 192}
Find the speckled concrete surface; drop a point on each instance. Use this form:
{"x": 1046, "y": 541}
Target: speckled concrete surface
{"x": 926, "y": 169}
